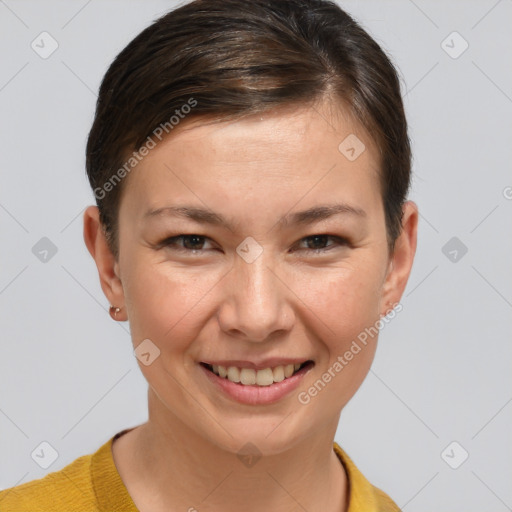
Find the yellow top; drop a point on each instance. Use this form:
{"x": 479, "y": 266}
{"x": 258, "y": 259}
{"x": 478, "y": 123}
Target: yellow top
{"x": 91, "y": 483}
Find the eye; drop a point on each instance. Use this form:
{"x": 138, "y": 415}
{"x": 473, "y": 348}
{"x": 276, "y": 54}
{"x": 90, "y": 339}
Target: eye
{"x": 194, "y": 244}
{"x": 191, "y": 243}
{"x": 316, "y": 243}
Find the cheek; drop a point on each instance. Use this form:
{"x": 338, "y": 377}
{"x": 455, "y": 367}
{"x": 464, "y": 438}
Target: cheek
{"x": 346, "y": 300}
{"x": 348, "y": 306}
{"x": 170, "y": 304}
{"x": 165, "y": 303}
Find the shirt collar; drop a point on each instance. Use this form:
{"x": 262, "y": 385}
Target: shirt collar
{"x": 110, "y": 490}
{"x": 112, "y": 494}
{"x": 362, "y": 495}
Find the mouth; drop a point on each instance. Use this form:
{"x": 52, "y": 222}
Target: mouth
{"x": 258, "y": 377}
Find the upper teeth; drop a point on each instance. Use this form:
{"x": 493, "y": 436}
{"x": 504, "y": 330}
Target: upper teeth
{"x": 248, "y": 376}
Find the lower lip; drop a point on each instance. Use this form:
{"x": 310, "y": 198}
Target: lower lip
{"x": 257, "y": 395}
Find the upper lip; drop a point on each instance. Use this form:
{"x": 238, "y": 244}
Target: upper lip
{"x": 260, "y": 365}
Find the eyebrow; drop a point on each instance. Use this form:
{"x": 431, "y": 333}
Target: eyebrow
{"x": 305, "y": 217}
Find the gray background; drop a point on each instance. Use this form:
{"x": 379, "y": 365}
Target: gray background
{"x": 442, "y": 370}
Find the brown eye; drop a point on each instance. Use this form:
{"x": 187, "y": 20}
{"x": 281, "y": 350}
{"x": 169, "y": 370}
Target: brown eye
{"x": 317, "y": 243}
{"x": 185, "y": 243}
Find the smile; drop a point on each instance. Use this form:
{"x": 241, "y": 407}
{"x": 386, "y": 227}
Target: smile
{"x": 254, "y": 377}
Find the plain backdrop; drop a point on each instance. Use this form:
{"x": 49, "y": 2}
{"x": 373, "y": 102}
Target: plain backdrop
{"x": 431, "y": 424}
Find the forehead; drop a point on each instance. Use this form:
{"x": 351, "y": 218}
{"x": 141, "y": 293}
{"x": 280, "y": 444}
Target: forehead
{"x": 278, "y": 137}
{"x": 272, "y": 159}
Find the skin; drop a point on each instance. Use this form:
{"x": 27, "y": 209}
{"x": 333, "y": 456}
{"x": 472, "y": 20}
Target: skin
{"x": 290, "y": 302}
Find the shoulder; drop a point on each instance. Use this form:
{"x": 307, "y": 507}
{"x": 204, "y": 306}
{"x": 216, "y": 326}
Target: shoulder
{"x": 69, "y": 489}
{"x": 363, "y": 496}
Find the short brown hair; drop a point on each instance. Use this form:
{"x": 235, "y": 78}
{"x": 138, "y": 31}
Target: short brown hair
{"x": 236, "y": 58}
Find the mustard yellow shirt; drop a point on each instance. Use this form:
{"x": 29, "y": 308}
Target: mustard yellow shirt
{"x": 91, "y": 483}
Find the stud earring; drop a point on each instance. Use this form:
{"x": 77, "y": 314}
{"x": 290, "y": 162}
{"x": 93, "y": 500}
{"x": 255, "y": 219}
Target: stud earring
{"x": 114, "y": 310}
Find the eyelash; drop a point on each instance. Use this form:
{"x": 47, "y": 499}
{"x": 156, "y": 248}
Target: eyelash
{"x": 171, "y": 243}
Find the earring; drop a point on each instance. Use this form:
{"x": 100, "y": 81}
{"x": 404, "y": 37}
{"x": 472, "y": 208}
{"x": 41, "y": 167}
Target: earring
{"x": 113, "y": 312}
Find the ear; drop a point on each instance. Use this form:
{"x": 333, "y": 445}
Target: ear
{"x": 108, "y": 267}
{"x": 401, "y": 260}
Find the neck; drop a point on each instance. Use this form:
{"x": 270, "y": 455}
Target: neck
{"x": 178, "y": 469}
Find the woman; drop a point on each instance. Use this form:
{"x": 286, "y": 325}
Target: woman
{"x": 251, "y": 163}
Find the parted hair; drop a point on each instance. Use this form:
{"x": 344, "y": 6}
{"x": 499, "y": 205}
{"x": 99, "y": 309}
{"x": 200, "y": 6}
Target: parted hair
{"x": 234, "y": 58}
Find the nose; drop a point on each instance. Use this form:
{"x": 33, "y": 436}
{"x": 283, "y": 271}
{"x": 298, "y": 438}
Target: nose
{"x": 256, "y": 305}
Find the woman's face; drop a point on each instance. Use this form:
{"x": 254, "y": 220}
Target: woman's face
{"x": 260, "y": 284}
